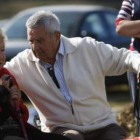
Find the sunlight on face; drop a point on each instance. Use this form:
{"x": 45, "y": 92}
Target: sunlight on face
{"x": 43, "y": 45}
{"x": 2, "y": 53}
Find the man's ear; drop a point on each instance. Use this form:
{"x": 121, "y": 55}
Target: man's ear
{"x": 57, "y": 35}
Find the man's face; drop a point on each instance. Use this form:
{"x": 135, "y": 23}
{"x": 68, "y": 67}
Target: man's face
{"x": 43, "y": 44}
{"x": 2, "y": 53}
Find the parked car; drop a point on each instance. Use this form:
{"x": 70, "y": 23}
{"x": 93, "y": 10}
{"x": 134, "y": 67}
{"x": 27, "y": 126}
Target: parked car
{"x": 76, "y": 20}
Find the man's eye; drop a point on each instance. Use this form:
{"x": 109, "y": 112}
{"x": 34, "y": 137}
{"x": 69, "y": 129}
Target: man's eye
{"x": 31, "y": 42}
{"x": 39, "y": 41}
{"x": 3, "y": 50}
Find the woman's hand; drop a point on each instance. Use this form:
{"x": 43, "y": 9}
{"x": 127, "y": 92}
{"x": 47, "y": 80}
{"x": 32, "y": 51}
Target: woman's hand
{"x": 5, "y": 81}
{"x": 15, "y": 93}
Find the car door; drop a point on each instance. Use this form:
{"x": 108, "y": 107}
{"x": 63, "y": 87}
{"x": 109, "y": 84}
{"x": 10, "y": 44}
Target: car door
{"x": 93, "y": 25}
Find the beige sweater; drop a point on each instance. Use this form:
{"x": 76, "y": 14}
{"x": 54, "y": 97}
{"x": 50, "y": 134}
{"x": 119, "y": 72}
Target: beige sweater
{"x": 85, "y": 66}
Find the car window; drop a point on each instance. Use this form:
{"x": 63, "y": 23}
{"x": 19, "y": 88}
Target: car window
{"x": 69, "y": 21}
{"x": 110, "y": 19}
{"x": 115, "y": 39}
{"x": 16, "y": 28}
{"x": 93, "y": 26}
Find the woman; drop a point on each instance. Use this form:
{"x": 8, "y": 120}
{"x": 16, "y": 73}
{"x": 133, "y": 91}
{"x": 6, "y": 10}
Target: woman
{"x": 9, "y": 126}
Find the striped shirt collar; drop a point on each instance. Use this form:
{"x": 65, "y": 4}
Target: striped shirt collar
{"x": 61, "y": 51}
{"x": 61, "y": 48}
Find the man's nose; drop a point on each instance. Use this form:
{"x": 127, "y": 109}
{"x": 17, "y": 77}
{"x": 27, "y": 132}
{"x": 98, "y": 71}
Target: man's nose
{"x": 35, "y": 46}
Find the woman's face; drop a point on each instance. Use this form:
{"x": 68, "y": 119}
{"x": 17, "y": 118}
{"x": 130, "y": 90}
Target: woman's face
{"x": 2, "y": 53}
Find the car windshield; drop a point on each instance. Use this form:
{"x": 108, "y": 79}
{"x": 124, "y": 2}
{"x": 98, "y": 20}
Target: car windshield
{"x": 16, "y": 29}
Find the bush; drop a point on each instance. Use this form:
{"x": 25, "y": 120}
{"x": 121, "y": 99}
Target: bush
{"x": 127, "y": 120}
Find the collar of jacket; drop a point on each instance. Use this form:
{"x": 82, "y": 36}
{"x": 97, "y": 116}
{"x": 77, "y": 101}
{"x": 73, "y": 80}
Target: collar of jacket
{"x": 69, "y": 43}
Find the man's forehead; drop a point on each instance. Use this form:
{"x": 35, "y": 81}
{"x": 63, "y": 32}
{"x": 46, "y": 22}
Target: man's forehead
{"x": 35, "y": 37}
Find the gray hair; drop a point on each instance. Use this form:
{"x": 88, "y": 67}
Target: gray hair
{"x": 2, "y": 35}
{"x": 47, "y": 18}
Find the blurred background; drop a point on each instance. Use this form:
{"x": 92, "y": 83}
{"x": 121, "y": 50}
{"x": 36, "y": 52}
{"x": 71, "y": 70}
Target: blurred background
{"x": 101, "y": 20}
{"x": 10, "y": 7}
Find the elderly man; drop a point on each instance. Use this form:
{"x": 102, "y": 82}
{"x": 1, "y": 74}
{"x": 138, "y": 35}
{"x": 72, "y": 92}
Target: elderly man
{"x": 65, "y": 79}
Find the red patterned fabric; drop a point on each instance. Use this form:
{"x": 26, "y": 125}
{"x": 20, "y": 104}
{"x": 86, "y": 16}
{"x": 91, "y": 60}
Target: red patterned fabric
{"x": 24, "y": 110}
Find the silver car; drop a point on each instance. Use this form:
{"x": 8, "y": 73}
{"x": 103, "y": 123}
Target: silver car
{"x": 76, "y": 20}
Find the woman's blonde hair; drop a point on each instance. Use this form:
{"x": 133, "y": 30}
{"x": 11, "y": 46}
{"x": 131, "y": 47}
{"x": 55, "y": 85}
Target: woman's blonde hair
{"x": 2, "y": 34}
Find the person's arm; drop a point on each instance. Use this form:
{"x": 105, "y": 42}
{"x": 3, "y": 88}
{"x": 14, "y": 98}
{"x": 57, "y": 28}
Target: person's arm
{"x": 124, "y": 23}
{"x": 129, "y": 28}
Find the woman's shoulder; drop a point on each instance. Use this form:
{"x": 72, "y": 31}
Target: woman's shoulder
{"x": 4, "y": 71}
